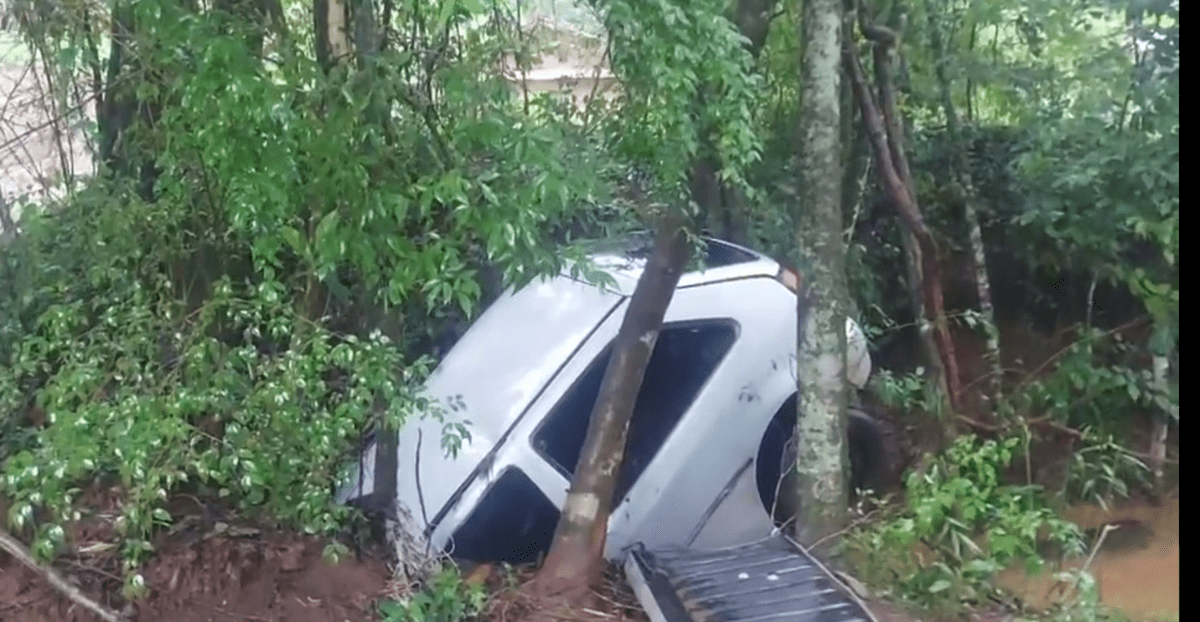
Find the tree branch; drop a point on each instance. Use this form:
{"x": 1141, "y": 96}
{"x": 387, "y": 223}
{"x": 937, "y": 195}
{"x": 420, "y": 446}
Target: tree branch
{"x": 880, "y": 35}
{"x": 13, "y": 547}
{"x": 904, "y": 200}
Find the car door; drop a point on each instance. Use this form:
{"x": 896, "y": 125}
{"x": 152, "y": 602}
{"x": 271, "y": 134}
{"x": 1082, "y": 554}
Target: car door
{"x": 686, "y": 471}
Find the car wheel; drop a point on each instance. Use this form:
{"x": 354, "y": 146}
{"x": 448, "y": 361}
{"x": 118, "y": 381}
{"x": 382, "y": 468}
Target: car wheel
{"x": 867, "y": 452}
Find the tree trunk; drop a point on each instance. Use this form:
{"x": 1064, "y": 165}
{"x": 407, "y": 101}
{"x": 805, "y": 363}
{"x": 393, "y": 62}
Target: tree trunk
{"x": 8, "y": 228}
{"x": 857, "y": 162}
{"x": 115, "y": 112}
{"x": 886, "y": 136}
{"x": 331, "y": 35}
{"x": 913, "y": 273}
{"x": 962, "y": 165}
{"x": 1158, "y": 433}
{"x": 821, "y": 493}
{"x": 575, "y": 561}
{"x": 883, "y": 53}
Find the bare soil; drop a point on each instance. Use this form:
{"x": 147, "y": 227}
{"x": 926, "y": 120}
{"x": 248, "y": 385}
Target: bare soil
{"x": 208, "y": 570}
{"x": 258, "y": 576}
{"x": 514, "y": 600}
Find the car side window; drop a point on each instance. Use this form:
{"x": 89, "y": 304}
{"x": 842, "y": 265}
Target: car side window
{"x": 685, "y": 356}
{"x": 514, "y": 523}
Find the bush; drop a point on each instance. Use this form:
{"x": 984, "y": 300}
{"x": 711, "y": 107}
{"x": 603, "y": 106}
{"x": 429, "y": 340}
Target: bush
{"x": 960, "y": 527}
{"x": 114, "y": 377}
{"x": 446, "y": 599}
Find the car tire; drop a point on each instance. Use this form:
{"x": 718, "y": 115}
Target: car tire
{"x": 867, "y": 446}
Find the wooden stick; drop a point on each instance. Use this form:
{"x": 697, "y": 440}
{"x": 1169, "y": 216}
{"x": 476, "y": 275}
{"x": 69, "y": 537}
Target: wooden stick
{"x": 13, "y": 547}
{"x": 1087, "y": 564}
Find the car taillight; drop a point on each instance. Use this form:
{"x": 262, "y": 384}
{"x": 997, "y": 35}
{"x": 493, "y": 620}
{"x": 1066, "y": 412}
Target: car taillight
{"x": 790, "y": 279}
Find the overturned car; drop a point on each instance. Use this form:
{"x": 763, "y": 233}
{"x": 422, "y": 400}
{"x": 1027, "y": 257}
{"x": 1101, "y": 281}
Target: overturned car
{"x": 706, "y": 445}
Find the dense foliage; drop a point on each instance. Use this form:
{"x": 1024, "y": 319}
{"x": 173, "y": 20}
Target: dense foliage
{"x": 258, "y": 272}
{"x": 289, "y": 220}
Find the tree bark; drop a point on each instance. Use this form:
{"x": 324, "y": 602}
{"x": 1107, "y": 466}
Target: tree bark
{"x": 883, "y": 52}
{"x": 331, "y": 35}
{"x": 857, "y": 162}
{"x": 891, "y": 166}
{"x": 116, "y": 109}
{"x": 962, "y": 167}
{"x": 1158, "y": 432}
{"x": 821, "y": 492}
{"x": 8, "y": 227}
{"x": 576, "y": 561}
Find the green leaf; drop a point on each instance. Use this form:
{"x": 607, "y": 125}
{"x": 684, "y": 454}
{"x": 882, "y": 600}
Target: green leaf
{"x": 445, "y": 11}
{"x": 292, "y": 237}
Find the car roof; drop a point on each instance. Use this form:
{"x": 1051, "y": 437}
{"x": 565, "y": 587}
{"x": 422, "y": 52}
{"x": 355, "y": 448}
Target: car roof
{"x": 625, "y": 258}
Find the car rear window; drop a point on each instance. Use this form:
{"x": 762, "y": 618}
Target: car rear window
{"x": 684, "y": 357}
{"x": 718, "y": 254}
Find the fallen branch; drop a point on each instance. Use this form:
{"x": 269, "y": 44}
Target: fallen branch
{"x": 1074, "y": 587}
{"x": 979, "y": 425}
{"x": 13, "y": 547}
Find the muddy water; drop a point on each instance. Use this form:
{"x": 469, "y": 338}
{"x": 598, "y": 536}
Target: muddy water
{"x": 1137, "y": 569}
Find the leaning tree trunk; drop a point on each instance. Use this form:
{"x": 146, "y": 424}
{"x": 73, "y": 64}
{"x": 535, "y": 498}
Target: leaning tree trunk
{"x": 970, "y": 211}
{"x": 821, "y": 492}
{"x": 575, "y": 561}
{"x": 884, "y": 61}
{"x": 891, "y": 164}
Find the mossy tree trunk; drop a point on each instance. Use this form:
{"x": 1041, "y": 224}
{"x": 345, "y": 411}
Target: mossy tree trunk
{"x": 821, "y": 492}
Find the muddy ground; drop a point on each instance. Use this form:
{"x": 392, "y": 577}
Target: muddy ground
{"x": 247, "y": 574}
{"x": 265, "y": 577}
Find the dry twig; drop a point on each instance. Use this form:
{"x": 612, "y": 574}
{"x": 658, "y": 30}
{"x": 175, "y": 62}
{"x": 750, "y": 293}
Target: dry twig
{"x": 13, "y": 547}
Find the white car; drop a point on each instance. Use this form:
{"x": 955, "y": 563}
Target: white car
{"x": 705, "y": 445}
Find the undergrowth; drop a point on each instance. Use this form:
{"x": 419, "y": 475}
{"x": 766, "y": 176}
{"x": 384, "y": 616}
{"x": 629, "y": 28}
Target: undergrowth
{"x": 960, "y": 526}
{"x": 446, "y": 598}
{"x": 254, "y": 274}
{"x": 108, "y": 374}
{"x": 964, "y": 520}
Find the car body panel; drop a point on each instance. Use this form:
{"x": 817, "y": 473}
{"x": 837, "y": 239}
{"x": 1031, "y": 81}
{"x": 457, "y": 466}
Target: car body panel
{"x": 518, "y": 360}
{"x": 726, "y": 421}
